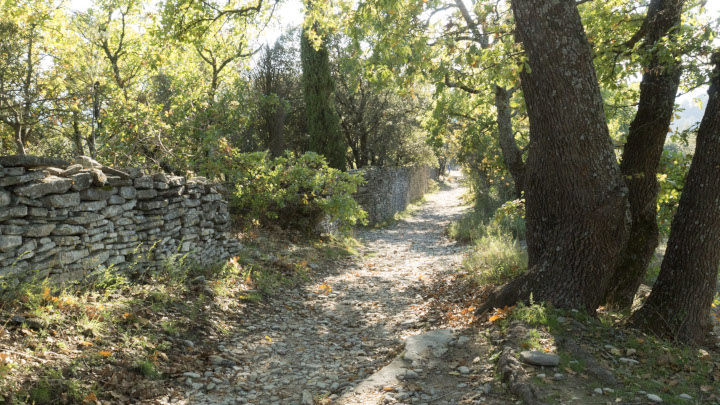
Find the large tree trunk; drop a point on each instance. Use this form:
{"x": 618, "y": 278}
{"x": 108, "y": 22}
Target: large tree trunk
{"x": 576, "y": 200}
{"x": 679, "y": 304}
{"x": 511, "y": 153}
{"x": 642, "y": 154}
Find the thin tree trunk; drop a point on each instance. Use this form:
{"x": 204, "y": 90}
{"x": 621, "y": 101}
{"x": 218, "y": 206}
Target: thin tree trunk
{"x": 364, "y": 149}
{"x": 213, "y": 84}
{"x": 277, "y": 127}
{"x": 511, "y": 153}
{"x": 576, "y": 200}
{"x": 19, "y": 142}
{"x": 96, "y": 123}
{"x": 21, "y": 130}
{"x": 679, "y": 304}
{"x": 77, "y": 135}
{"x": 642, "y": 153}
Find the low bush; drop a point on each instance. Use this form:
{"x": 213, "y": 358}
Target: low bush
{"x": 496, "y": 259}
{"x": 495, "y": 229}
{"x": 508, "y": 217}
{"x": 294, "y": 192}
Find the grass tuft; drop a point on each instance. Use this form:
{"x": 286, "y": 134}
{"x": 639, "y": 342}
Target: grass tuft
{"x": 496, "y": 259}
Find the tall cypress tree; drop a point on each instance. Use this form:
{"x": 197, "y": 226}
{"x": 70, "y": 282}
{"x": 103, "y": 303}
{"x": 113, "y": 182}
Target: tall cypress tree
{"x": 323, "y": 121}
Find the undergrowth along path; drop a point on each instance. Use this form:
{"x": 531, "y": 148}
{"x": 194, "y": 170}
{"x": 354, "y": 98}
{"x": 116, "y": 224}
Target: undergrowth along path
{"x": 316, "y": 343}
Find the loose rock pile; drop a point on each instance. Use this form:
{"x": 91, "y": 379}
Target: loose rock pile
{"x": 66, "y": 220}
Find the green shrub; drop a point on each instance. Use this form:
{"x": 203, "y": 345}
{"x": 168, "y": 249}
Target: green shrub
{"x": 510, "y": 217}
{"x": 674, "y": 165}
{"x": 496, "y": 259}
{"x": 471, "y": 226}
{"x": 468, "y": 228}
{"x": 294, "y": 192}
{"x": 147, "y": 369}
{"x": 40, "y": 394}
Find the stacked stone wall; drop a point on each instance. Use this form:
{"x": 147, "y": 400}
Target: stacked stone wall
{"x": 64, "y": 221}
{"x": 388, "y": 190}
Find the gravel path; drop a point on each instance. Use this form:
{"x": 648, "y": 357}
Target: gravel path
{"x": 318, "y": 342}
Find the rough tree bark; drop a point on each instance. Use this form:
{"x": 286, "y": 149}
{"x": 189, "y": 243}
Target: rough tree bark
{"x": 276, "y": 130}
{"x": 512, "y": 155}
{"x": 679, "y": 304}
{"x": 576, "y": 200}
{"x": 642, "y": 153}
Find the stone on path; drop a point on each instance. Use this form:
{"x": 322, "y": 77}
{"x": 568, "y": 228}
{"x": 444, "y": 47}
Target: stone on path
{"x": 536, "y": 358}
{"x": 307, "y": 398}
{"x": 628, "y": 361}
{"x": 429, "y": 344}
{"x": 654, "y": 398}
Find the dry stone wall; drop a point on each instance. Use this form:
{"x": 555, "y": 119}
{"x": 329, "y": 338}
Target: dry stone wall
{"x": 67, "y": 220}
{"x": 388, "y": 190}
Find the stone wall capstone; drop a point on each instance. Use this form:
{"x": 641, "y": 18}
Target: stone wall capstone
{"x": 63, "y": 220}
{"x": 388, "y": 190}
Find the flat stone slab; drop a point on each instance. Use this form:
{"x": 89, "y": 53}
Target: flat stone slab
{"x": 32, "y": 162}
{"x": 539, "y": 358}
{"x": 115, "y": 172}
{"x": 427, "y": 345}
{"x": 49, "y": 185}
{"x": 386, "y": 376}
{"x": 418, "y": 348}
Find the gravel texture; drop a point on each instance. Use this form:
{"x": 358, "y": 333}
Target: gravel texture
{"x": 318, "y": 343}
